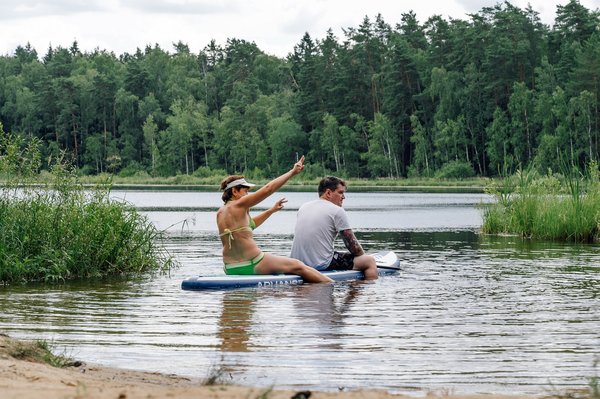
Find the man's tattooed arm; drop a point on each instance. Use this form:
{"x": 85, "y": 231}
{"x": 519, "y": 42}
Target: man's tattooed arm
{"x": 351, "y": 242}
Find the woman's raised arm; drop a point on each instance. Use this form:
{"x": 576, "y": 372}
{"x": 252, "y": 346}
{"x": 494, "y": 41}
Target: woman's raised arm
{"x": 271, "y": 187}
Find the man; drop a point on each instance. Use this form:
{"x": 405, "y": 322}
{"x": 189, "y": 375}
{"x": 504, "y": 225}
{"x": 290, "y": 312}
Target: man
{"x": 317, "y": 226}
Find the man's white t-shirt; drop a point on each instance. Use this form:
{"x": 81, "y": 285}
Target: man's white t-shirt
{"x": 317, "y": 226}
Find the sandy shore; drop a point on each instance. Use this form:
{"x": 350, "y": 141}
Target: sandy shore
{"x": 23, "y": 376}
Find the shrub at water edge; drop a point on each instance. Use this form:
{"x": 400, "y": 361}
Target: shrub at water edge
{"x": 64, "y": 231}
{"x": 552, "y": 207}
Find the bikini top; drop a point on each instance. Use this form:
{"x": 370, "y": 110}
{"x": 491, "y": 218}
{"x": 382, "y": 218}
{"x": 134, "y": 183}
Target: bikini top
{"x": 229, "y": 232}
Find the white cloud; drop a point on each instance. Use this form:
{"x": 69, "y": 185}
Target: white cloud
{"x": 36, "y": 8}
{"x": 185, "y": 7}
{"x": 275, "y": 26}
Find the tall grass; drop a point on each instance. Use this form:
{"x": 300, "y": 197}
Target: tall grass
{"x": 554, "y": 207}
{"x": 63, "y": 230}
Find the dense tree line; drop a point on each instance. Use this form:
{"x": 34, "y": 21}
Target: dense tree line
{"x": 495, "y": 92}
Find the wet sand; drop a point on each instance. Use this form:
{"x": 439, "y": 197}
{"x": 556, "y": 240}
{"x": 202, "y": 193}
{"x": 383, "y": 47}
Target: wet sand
{"x": 28, "y": 378}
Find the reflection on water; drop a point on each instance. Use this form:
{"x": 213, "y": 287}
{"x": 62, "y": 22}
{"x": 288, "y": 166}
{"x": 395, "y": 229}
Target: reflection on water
{"x": 467, "y": 313}
{"x": 236, "y": 320}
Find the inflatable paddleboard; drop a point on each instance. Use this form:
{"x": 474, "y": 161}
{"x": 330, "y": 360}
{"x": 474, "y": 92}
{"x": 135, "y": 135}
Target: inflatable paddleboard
{"x": 387, "y": 263}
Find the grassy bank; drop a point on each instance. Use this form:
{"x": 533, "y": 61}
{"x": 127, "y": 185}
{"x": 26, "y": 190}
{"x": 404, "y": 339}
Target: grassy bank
{"x": 555, "y": 207}
{"x": 34, "y": 351}
{"x": 63, "y": 230}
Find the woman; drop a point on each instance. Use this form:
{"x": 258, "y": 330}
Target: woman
{"x": 241, "y": 255}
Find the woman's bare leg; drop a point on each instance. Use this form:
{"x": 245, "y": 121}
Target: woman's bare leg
{"x": 279, "y": 264}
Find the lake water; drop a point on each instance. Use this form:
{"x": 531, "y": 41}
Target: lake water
{"x": 467, "y": 314}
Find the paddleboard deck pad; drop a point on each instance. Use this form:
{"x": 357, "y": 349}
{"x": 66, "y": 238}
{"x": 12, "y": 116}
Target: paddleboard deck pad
{"x": 387, "y": 263}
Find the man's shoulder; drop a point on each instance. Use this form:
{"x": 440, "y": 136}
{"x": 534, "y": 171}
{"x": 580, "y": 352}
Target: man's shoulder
{"x": 319, "y": 203}
{"x": 311, "y": 204}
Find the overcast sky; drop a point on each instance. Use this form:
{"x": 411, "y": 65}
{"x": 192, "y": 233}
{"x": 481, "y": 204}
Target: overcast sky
{"x": 275, "y": 26}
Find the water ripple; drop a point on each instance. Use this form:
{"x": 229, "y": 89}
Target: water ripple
{"x": 467, "y": 313}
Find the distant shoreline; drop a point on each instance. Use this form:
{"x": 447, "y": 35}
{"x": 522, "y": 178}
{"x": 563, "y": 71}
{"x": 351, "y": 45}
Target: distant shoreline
{"x": 191, "y": 183}
{"x": 305, "y": 188}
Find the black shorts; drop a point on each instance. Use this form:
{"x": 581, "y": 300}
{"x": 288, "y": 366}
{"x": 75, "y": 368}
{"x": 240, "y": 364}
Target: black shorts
{"x": 341, "y": 261}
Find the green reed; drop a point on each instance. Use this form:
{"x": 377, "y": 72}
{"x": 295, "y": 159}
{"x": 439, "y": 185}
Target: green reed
{"x": 49, "y": 235}
{"x": 554, "y": 207}
{"x": 63, "y": 230}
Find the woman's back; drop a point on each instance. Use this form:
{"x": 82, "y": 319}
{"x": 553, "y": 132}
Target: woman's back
{"x": 235, "y": 231}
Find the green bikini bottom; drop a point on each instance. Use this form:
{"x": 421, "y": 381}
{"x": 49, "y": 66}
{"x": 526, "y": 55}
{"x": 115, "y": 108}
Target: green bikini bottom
{"x": 246, "y": 267}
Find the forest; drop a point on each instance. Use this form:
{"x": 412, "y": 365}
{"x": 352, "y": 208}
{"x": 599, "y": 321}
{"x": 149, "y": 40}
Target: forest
{"x": 487, "y": 95}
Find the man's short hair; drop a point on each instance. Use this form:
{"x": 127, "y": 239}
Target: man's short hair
{"x": 331, "y": 183}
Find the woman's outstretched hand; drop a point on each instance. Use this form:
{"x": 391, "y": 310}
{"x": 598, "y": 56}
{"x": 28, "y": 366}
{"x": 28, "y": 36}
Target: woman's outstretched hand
{"x": 298, "y": 166}
{"x": 279, "y": 205}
